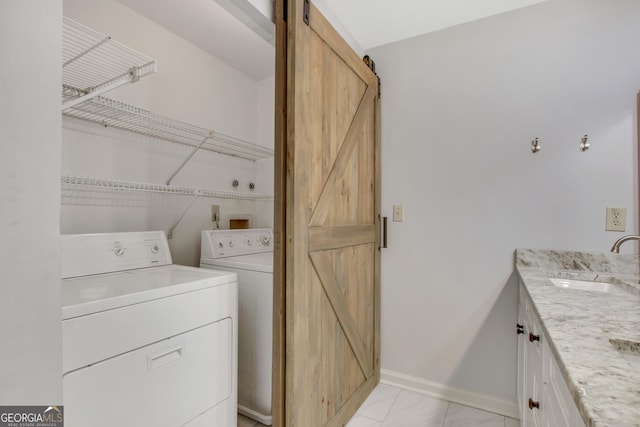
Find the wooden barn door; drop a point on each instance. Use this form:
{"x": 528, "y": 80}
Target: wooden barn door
{"x": 327, "y": 224}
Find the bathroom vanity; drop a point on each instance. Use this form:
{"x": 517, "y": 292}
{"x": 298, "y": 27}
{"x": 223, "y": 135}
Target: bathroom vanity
{"x": 578, "y": 339}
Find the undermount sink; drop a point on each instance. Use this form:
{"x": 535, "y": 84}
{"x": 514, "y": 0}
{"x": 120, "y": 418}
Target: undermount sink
{"x": 581, "y": 285}
{"x": 628, "y": 349}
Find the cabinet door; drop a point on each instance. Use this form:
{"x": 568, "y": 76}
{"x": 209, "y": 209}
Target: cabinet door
{"x": 539, "y": 377}
{"x": 559, "y": 406}
{"x": 530, "y": 367}
{"x": 521, "y": 330}
{"x": 535, "y": 384}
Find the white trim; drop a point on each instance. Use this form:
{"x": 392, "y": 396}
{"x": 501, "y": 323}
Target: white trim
{"x": 442, "y": 391}
{"x": 255, "y": 415}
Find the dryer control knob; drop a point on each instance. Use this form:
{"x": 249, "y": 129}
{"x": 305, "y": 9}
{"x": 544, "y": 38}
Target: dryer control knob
{"x": 265, "y": 240}
{"x": 119, "y": 251}
{"x": 230, "y": 243}
{"x": 155, "y": 249}
{"x": 220, "y": 245}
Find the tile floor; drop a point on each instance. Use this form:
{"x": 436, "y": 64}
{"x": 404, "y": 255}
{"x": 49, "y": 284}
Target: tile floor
{"x": 389, "y": 406}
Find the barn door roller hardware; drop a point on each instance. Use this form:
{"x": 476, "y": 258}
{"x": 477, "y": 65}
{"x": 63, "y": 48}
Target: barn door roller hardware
{"x": 372, "y": 66}
{"x": 305, "y": 11}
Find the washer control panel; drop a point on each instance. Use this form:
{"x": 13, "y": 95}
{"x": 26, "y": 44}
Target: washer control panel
{"x": 88, "y": 254}
{"x": 226, "y": 243}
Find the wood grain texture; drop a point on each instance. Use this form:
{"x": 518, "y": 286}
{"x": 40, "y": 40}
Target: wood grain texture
{"x": 332, "y": 289}
{"x": 378, "y": 209}
{"x": 334, "y": 183}
{"x": 331, "y": 272}
{"x": 325, "y": 238}
{"x": 326, "y": 32}
{"x": 280, "y": 218}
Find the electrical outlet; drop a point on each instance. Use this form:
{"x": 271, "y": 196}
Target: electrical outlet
{"x": 398, "y": 213}
{"x": 616, "y": 219}
{"x": 215, "y": 213}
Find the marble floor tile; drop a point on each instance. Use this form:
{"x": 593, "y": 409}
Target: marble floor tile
{"x": 511, "y": 422}
{"x": 377, "y": 405}
{"x": 360, "y": 421}
{"x": 389, "y": 406}
{"x": 416, "y": 410}
{"x": 464, "y": 416}
{"x": 246, "y": 422}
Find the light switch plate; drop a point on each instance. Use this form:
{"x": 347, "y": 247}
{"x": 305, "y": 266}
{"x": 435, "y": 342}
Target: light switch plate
{"x": 616, "y": 219}
{"x": 398, "y": 213}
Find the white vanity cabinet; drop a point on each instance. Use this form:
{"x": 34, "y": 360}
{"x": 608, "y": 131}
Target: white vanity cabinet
{"x": 543, "y": 397}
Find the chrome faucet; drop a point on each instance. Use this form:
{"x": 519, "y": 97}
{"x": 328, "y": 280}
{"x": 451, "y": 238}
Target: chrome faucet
{"x": 616, "y": 246}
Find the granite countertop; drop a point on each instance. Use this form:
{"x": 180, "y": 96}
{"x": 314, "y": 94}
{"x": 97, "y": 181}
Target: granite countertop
{"x": 580, "y": 325}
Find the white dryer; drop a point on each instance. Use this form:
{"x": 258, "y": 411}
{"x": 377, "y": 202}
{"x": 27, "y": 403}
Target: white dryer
{"x": 249, "y": 253}
{"x": 145, "y": 342}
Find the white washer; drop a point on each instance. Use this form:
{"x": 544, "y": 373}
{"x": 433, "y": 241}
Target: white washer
{"x": 145, "y": 342}
{"x": 249, "y": 253}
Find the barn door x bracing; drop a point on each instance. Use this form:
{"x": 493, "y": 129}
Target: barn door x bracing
{"x": 329, "y": 237}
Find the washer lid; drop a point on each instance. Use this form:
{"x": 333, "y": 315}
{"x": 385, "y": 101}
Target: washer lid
{"x": 262, "y": 262}
{"x": 92, "y": 294}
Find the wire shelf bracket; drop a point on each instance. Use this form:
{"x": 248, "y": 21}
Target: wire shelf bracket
{"x": 193, "y": 201}
{"x": 195, "y": 149}
{"x": 93, "y": 63}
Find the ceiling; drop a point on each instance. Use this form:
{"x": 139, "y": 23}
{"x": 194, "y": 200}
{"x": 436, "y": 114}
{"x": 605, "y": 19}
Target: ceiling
{"x": 377, "y": 22}
{"x": 364, "y": 23}
{"x": 209, "y": 26}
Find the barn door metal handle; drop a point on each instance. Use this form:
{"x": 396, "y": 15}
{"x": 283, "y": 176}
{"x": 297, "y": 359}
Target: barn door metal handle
{"x": 384, "y": 232}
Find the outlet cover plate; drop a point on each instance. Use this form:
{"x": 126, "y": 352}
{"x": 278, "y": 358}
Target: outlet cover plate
{"x": 616, "y": 219}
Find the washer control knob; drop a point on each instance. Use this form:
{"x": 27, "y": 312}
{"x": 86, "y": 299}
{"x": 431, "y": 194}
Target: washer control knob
{"x": 220, "y": 245}
{"x": 230, "y": 243}
{"x": 265, "y": 240}
{"x": 249, "y": 242}
{"x": 155, "y": 249}
{"x": 119, "y": 251}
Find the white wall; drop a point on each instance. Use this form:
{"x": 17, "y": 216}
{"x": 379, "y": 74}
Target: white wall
{"x": 460, "y": 107}
{"x": 30, "y": 317}
{"x": 190, "y": 85}
{"x": 266, "y": 135}
{"x": 264, "y": 6}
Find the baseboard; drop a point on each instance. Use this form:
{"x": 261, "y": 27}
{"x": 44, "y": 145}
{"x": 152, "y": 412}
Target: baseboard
{"x": 441, "y": 391}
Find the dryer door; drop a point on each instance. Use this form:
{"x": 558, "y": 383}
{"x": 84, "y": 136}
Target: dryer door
{"x": 168, "y": 383}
